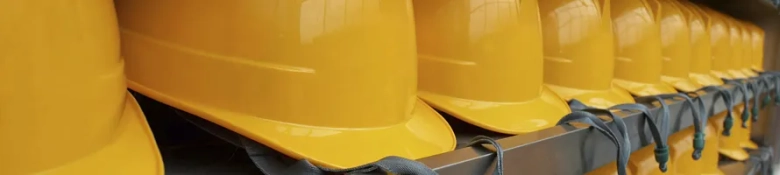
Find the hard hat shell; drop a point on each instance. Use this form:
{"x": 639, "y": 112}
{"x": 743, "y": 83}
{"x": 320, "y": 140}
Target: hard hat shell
{"x": 745, "y": 133}
{"x": 720, "y": 40}
{"x": 65, "y": 107}
{"x": 305, "y": 78}
{"x": 642, "y": 161}
{"x": 578, "y": 52}
{"x": 747, "y": 49}
{"x": 681, "y": 142}
{"x": 738, "y": 70}
{"x": 737, "y": 48}
{"x": 709, "y": 160}
{"x": 676, "y": 45}
{"x": 757, "y": 40}
{"x": 701, "y": 50}
{"x": 639, "y": 60}
{"x": 731, "y": 146}
{"x": 482, "y": 63}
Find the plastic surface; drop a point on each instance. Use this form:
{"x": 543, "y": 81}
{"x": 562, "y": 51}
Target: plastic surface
{"x": 676, "y": 45}
{"x": 306, "y": 78}
{"x": 680, "y": 151}
{"x": 578, "y": 47}
{"x": 65, "y": 107}
{"x": 730, "y": 146}
{"x": 708, "y": 164}
{"x": 701, "y": 53}
{"x": 482, "y": 63}
{"x": 686, "y": 165}
{"x": 643, "y": 162}
{"x": 721, "y": 46}
{"x": 639, "y": 60}
{"x": 747, "y": 49}
{"x": 757, "y": 42}
{"x": 737, "y": 47}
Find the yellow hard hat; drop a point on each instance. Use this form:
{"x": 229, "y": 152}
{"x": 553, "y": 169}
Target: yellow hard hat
{"x": 707, "y": 164}
{"x": 747, "y": 49}
{"x": 737, "y": 71}
{"x": 709, "y": 160}
{"x": 734, "y": 62}
{"x": 757, "y": 40}
{"x": 305, "y": 78}
{"x": 578, "y": 52}
{"x": 731, "y": 145}
{"x": 724, "y": 39}
{"x": 680, "y": 152}
{"x": 676, "y": 45}
{"x": 482, "y": 63}
{"x": 639, "y": 60}
{"x": 701, "y": 50}
{"x": 720, "y": 40}
{"x": 65, "y": 107}
{"x": 643, "y": 161}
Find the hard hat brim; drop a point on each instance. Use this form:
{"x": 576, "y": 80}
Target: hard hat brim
{"x": 709, "y": 160}
{"x": 426, "y": 133}
{"x": 749, "y": 144}
{"x": 722, "y": 74}
{"x": 594, "y": 98}
{"x": 738, "y": 154}
{"x": 730, "y": 146}
{"x": 681, "y": 151}
{"x": 738, "y": 74}
{"x": 746, "y": 143}
{"x": 682, "y": 84}
{"x": 644, "y": 89}
{"x": 748, "y": 72}
{"x": 133, "y": 150}
{"x": 503, "y": 117}
{"x": 642, "y": 161}
{"x": 705, "y": 79}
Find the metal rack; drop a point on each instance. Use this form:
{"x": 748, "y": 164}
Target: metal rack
{"x": 572, "y": 150}
{"x": 578, "y": 150}
{"x": 566, "y": 149}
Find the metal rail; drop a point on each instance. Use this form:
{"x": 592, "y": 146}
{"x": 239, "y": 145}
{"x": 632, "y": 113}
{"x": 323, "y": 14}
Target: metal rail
{"x": 566, "y": 149}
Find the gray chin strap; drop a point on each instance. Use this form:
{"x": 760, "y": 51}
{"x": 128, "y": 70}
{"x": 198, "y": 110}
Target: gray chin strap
{"x": 271, "y": 162}
{"x": 760, "y": 162}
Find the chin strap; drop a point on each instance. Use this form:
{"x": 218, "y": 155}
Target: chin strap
{"x": 265, "y": 159}
{"x": 760, "y": 162}
{"x": 758, "y": 89}
{"x": 271, "y": 162}
{"x": 726, "y": 96}
{"x": 696, "y": 113}
{"x": 772, "y": 78}
{"x": 745, "y": 100}
{"x": 660, "y": 134}
{"x": 584, "y": 114}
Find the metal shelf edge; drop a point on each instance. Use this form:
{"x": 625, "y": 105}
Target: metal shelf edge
{"x": 566, "y": 149}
